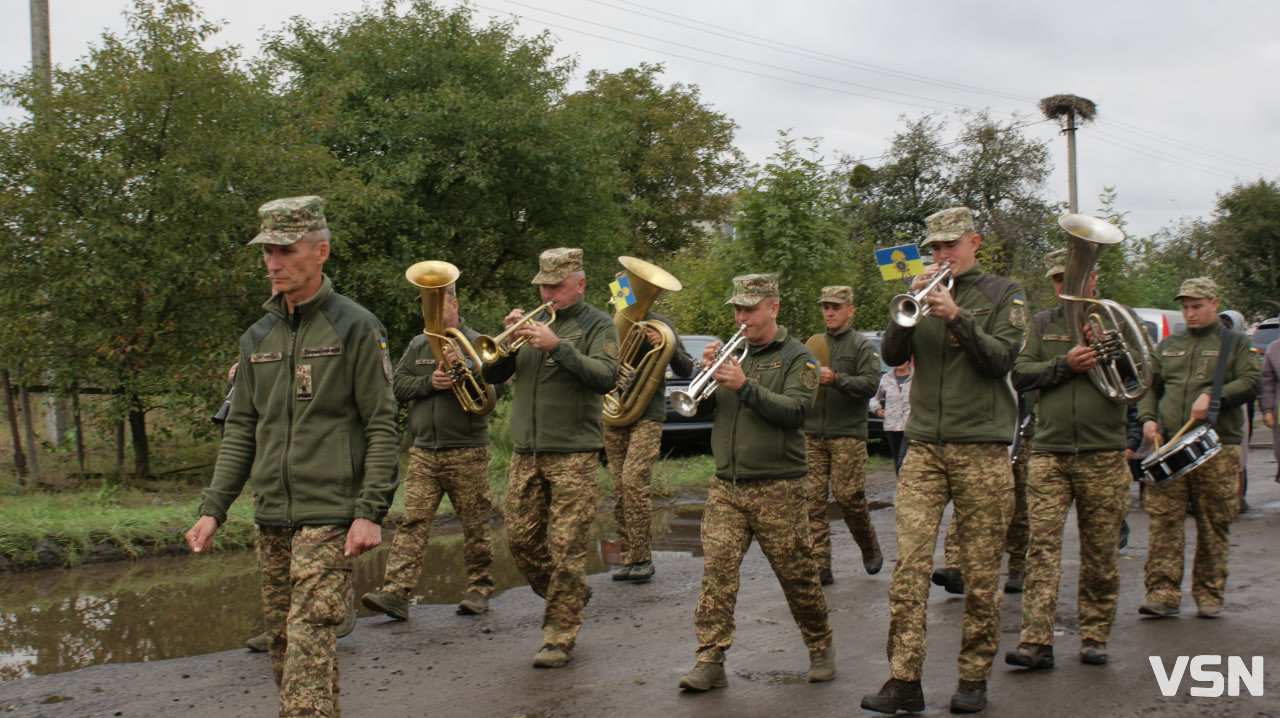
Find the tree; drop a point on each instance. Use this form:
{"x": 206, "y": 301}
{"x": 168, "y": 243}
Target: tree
{"x": 127, "y": 196}
{"x": 676, "y": 156}
{"x": 1246, "y": 227}
{"x": 465, "y": 153}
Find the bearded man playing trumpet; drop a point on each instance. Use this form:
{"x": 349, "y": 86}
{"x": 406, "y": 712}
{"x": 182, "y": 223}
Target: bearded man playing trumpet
{"x": 963, "y": 416}
{"x": 562, "y": 372}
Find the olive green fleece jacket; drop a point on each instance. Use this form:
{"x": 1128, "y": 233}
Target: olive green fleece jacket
{"x": 559, "y": 395}
{"x": 841, "y": 410}
{"x": 1184, "y": 364}
{"x": 680, "y": 364}
{"x": 960, "y": 393}
{"x": 1071, "y": 414}
{"x": 312, "y": 424}
{"x": 436, "y": 419}
{"x": 757, "y": 432}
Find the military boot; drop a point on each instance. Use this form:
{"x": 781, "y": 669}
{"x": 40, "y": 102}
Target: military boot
{"x": 473, "y": 604}
{"x": 392, "y": 604}
{"x": 550, "y": 656}
{"x": 1014, "y": 583}
{"x": 349, "y": 623}
{"x": 894, "y": 696}
{"x": 1157, "y": 609}
{"x": 622, "y": 573}
{"x": 1093, "y": 652}
{"x": 641, "y": 572}
{"x": 260, "y": 643}
{"x": 704, "y": 676}
{"x": 874, "y": 560}
{"x": 822, "y": 664}
{"x": 1030, "y": 655}
{"x": 825, "y": 577}
{"x": 970, "y": 697}
{"x": 950, "y": 579}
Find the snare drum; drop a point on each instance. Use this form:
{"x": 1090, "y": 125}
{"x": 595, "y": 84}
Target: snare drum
{"x": 1193, "y": 449}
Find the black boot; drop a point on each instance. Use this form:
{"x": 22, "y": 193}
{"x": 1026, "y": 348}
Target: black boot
{"x": 950, "y": 579}
{"x": 894, "y": 696}
{"x": 970, "y": 697}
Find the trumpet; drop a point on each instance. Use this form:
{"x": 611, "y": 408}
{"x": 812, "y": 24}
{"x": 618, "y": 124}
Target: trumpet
{"x": 704, "y": 384}
{"x": 905, "y": 310}
{"x": 491, "y": 349}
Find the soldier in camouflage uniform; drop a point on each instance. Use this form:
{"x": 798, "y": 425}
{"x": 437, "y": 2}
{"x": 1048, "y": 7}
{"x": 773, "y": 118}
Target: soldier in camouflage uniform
{"x": 836, "y": 434}
{"x": 450, "y": 455}
{"x": 313, "y": 370}
{"x": 758, "y": 489}
{"x": 1078, "y": 454}
{"x": 561, "y": 376}
{"x": 1185, "y": 364}
{"x": 632, "y": 451}
{"x": 963, "y": 417}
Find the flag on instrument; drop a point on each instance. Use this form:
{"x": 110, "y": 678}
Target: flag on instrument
{"x": 620, "y": 288}
{"x": 899, "y": 262}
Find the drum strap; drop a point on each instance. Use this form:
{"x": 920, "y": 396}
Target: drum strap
{"x": 1219, "y": 374}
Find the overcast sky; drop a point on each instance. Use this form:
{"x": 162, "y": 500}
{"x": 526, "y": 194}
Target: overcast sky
{"x": 1185, "y": 108}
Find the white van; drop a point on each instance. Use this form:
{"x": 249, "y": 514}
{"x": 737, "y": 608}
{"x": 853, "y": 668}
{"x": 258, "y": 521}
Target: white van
{"x": 1160, "y": 323}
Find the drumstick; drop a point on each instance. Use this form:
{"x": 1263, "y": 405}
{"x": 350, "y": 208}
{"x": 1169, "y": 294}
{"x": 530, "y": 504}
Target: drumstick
{"x": 1176, "y": 436}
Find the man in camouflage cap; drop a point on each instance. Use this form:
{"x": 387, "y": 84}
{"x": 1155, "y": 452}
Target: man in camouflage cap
{"x": 561, "y": 376}
{"x": 836, "y": 432}
{"x": 1185, "y": 365}
{"x": 1077, "y": 455}
{"x": 962, "y": 420}
{"x": 315, "y": 367}
{"x": 758, "y": 489}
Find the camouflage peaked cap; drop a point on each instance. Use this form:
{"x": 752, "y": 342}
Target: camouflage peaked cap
{"x": 556, "y": 264}
{"x": 948, "y": 225}
{"x": 1056, "y": 262}
{"x": 837, "y": 295}
{"x": 285, "y": 221}
{"x": 1198, "y": 288}
{"x": 750, "y": 289}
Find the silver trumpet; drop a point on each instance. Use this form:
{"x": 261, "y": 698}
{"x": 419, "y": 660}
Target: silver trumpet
{"x": 907, "y": 309}
{"x": 704, "y": 385}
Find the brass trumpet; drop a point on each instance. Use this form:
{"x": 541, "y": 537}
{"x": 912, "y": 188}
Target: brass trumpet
{"x": 491, "y": 349}
{"x": 704, "y": 384}
{"x": 432, "y": 278}
{"x": 906, "y": 310}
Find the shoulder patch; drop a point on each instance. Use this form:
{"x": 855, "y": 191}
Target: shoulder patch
{"x": 1018, "y": 315}
{"x": 809, "y": 374}
{"x": 387, "y": 369}
{"x": 611, "y": 348}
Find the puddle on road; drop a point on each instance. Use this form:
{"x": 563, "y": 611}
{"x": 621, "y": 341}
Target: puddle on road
{"x": 155, "y": 609}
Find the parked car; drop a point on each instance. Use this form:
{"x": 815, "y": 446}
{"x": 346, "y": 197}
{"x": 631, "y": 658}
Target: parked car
{"x": 1265, "y": 333}
{"x": 1160, "y": 323}
{"x": 698, "y": 426}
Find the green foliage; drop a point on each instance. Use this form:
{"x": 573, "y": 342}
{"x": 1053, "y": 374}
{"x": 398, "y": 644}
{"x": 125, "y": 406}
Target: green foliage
{"x": 1246, "y": 228}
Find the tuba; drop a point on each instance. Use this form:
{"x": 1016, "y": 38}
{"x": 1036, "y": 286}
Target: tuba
{"x": 822, "y": 352}
{"x": 432, "y": 278}
{"x": 1123, "y": 373}
{"x": 639, "y": 373}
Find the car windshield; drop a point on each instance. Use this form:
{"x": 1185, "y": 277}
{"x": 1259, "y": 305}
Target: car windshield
{"x": 1265, "y": 335}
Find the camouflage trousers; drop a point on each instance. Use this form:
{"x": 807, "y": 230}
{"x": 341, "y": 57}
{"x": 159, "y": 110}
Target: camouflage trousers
{"x": 632, "y": 450}
{"x": 837, "y": 465}
{"x": 978, "y": 480}
{"x": 774, "y": 513}
{"x": 1211, "y": 489}
{"x": 551, "y": 500}
{"x": 463, "y": 474}
{"x": 306, "y": 592}
{"x": 1015, "y": 539}
{"x": 1098, "y": 482}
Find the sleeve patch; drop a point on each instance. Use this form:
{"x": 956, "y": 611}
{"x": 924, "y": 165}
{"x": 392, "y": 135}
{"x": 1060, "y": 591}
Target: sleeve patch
{"x": 809, "y": 374}
{"x": 1018, "y": 315}
{"x": 611, "y": 348}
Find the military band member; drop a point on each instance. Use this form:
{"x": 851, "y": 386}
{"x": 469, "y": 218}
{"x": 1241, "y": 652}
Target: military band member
{"x": 561, "y": 377}
{"x": 450, "y": 455}
{"x": 758, "y": 488}
{"x": 1077, "y": 454}
{"x": 312, "y": 426}
{"x": 836, "y": 434}
{"x": 632, "y": 451}
{"x": 1185, "y": 364}
{"x": 963, "y": 416}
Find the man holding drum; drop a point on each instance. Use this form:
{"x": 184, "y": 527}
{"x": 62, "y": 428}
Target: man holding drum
{"x": 1185, "y": 365}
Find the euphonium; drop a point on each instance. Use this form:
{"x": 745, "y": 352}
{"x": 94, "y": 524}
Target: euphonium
{"x": 492, "y": 349}
{"x": 432, "y": 278}
{"x": 639, "y": 374}
{"x": 1123, "y": 373}
{"x": 905, "y": 310}
{"x": 704, "y": 384}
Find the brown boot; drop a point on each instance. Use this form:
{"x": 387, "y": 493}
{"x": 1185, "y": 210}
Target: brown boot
{"x": 894, "y": 696}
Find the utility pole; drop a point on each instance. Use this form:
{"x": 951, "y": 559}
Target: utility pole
{"x": 40, "y": 62}
{"x": 1066, "y": 109}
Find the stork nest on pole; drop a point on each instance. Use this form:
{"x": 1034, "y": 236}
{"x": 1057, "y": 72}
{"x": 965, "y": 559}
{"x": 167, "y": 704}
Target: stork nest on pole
{"x": 1057, "y": 107}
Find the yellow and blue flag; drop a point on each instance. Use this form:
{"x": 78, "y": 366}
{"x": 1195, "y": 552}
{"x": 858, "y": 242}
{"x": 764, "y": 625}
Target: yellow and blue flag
{"x": 899, "y": 262}
{"x": 620, "y": 288}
